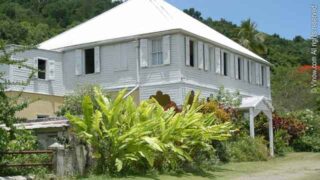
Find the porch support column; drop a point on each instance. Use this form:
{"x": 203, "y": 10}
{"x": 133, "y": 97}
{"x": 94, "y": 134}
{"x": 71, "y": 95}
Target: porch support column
{"x": 251, "y": 116}
{"x": 271, "y": 136}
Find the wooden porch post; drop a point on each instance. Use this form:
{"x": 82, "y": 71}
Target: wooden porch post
{"x": 271, "y": 136}
{"x": 251, "y": 116}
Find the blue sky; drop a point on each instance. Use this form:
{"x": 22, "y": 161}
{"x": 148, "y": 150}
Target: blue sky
{"x": 287, "y": 18}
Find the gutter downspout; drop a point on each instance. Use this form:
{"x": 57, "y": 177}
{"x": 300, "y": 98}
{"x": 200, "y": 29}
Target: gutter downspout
{"x": 137, "y": 44}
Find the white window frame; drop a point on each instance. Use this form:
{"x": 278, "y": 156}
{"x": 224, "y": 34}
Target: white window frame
{"x": 46, "y": 70}
{"x": 158, "y": 52}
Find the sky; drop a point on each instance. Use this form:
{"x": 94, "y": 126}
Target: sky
{"x": 287, "y": 18}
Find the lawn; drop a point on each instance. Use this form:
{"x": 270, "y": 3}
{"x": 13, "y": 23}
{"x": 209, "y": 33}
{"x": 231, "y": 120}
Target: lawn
{"x": 299, "y": 166}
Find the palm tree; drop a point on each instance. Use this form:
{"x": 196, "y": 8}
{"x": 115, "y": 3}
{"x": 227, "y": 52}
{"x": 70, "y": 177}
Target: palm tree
{"x": 250, "y": 38}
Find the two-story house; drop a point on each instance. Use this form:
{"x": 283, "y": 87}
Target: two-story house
{"x": 145, "y": 46}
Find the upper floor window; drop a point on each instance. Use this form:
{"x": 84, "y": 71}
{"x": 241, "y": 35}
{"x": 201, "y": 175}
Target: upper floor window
{"x": 191, "y": 50}
{"x": 225, "y": 64}
{"x": 89, "y": 61}
{"x": 157, "y": 55}
{"x": 263, "y": 76}
{"x": 239, "y": 66}
{"x": 42, "y": 69}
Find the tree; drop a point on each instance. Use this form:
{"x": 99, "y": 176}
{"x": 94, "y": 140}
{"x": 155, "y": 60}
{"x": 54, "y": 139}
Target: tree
{"x": 194, "y": 13}
{"x": 250, "y": 38}
{"x": 291, "y": 90}
{"x": 9, "y": 105}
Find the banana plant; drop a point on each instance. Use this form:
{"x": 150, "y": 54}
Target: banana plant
{"x": 124, "y": 135}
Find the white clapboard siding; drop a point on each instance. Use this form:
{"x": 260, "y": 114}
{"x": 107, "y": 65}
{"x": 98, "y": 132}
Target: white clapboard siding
{"x": 78, "y": 62}
{"x": 257, "y": 73}
{"x": 218, "y": 60}
{"x": 200, "y": 55}
{"x": 144, "y": 52}
{"x": 166, "y": 49}
{"x": 97, "y": 59}
{"x": 51, "y": 69}
{"x": 206, "y": 57}
{"x": 187, "y": 49}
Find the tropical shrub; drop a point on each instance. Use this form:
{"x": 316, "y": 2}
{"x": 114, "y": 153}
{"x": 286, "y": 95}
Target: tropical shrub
{"x": 281, "y": 142}
{"x": 210, "y": 107}
{"x": 24, "y": 140}
{"x": 293, "y": 126}
{"x": 130, "y": 138}
{"x": 72, "y": 102}
{"x": 310, "y": 140}
{"x": 247, "y": 149}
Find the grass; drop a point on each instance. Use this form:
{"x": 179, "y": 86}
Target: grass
{"x": 300, "y": 166}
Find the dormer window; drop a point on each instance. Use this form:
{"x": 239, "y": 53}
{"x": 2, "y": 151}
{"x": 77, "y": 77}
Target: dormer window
{"x": 42, "y": 69}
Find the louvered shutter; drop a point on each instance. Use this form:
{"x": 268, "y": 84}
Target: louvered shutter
{"x": 217, "y": 60}
{"x": 257, "y": 74}
{"x": 166, "y": 49}
{"x": 144, "y": 53}
{"x": 236, "y": 67}
{"x": 35, "y": 66}
{"x": 78, "y": 62}
{"x": 230, "y": 68}
{"x": 206, "y": 57}
{"x": 97, "y": 59}
{"x": 245, "y": 70}
{"x": 200, "y": 55}
{"x": 51, "y": 70}
{"x": 187, "y": 51}
{"x": 268, "y": 76}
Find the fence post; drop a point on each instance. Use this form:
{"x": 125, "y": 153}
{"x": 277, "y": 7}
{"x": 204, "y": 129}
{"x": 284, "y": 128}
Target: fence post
{"x": 58, "y": 158}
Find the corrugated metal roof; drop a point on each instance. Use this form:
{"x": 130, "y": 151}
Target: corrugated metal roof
{"x": 138, "y": 17}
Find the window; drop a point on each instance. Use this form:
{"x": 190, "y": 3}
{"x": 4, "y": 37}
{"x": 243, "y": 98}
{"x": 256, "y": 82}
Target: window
{"x": 225, "y": 64}
{"x": 239, "y": 68}
{"x": 262, "y": 76}
{"x": 191, "y": 50}
{"x": 157, "y": 57}
{"x": 89, "y": 61}
{"x": 41, "y": 116}
{"x": 42, "y": 69}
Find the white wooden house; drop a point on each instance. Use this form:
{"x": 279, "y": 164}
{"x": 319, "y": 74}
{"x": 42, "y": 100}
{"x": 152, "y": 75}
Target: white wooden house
{"x": 146, "y": 46}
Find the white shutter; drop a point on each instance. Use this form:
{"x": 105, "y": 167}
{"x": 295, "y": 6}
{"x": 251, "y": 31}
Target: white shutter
{"x": 51, "y": 70}
{"x": 144, "y": 52}
{"x": 206, "y": 57}
{"x": 212, "y": 58}
{"x": 218, "y": 60}
{"x": 200, "y": 55}
{"x": 245, "y": 70}
{"x": 268, "y": 76}
{"x": 236, "y": 67}
{"x": 166, "y": 49}
{"x": 97, "y": 59}
{"x": 257, "y": 73}
{"x": 78, "y": 62}
{"x": 230, "y": 68}
{"x": 187, "y": 51}
{"x": 35, "y": 66}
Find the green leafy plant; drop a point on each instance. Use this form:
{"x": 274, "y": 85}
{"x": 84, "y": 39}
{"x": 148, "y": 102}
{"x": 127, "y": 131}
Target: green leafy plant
{"x": 247, "y": 149}
{"x": 126, "y": 137}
